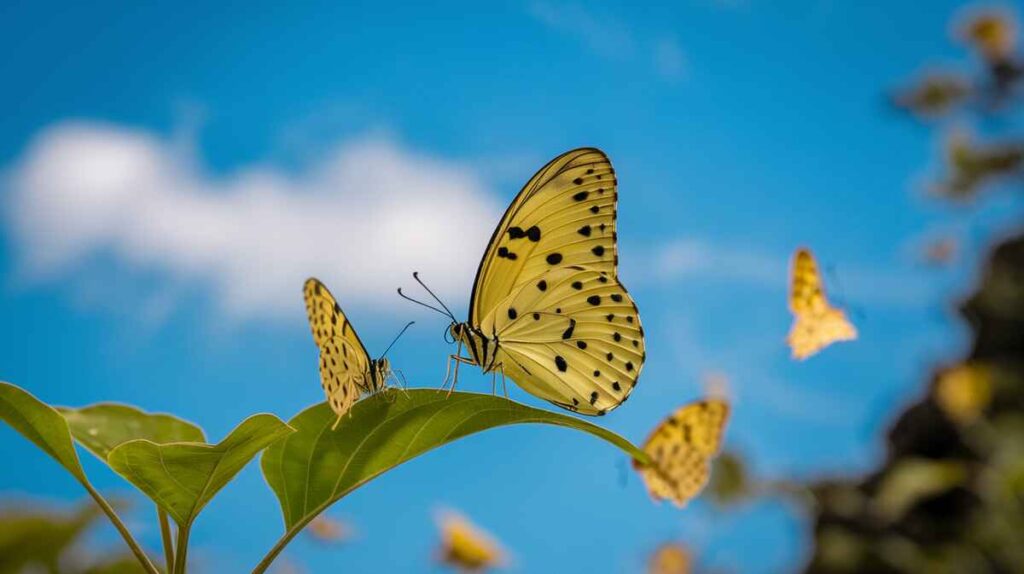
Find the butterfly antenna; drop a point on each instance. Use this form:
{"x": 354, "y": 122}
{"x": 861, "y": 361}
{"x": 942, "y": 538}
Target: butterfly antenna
{"x": 431, "y": 307}
{"x": 416, "y": 276}
{"x": 395, "y": 340}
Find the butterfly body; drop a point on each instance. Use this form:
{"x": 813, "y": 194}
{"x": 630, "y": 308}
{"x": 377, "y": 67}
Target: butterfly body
{"x": 548, "y": 309}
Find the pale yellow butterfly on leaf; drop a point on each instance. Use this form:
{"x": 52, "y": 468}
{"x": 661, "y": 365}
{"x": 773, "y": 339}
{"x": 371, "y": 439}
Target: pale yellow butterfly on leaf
{"x": 963, "y": 392}
{"x": 681, "y": 449}
{"x": 670, "y": 558}
{"x": 816, "y": 323}
{"x": 346, "y": 369}
{"x": 548, "y": 309}
{"x": 465, "y": 547}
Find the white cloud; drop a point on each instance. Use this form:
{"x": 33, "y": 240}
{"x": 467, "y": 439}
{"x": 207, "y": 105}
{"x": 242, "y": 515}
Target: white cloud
{"x": 695, "y": 258}
{"x": 680, "y": 258}
{"x": 362, "y": 218}
{"x": 602, "y": 35}
{"x": 669, "y": 59}
{"x": 612, "y": 38}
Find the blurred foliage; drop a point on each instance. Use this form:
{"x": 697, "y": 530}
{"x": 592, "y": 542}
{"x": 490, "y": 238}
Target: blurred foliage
{"x": 996, "y": 87}
{"x": 950, "y": 495}
{"x": 37, "y": 540}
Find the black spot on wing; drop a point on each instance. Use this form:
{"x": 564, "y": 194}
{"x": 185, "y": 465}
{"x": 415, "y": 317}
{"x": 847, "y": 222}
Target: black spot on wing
{"x": 561, "y": 364}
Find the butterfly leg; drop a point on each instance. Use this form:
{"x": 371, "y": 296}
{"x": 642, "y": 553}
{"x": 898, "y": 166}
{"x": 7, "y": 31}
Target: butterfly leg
{"x": 400, "y": 376}
{"x": 455, "y": 377}
{"x": 448, "y": 367}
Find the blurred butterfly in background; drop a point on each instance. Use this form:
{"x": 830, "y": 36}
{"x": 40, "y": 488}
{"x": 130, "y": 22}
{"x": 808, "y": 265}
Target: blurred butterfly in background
{"x": 670, "y": 558}
{"x": 940, "y": 251}
{"x": 816, "y": 324}
{"x": 547, "y": 309}
{"x": 346, "y": 369}
{"x": 466, "y": 547}
{"x": 681, "y": 449}
{"x": 329, "y": 530}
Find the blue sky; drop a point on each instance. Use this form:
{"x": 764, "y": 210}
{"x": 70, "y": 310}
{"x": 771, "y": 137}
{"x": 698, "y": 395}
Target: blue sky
{"x": 171, "y": 175}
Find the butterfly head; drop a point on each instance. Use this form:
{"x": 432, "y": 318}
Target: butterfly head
{"x": 380, "y": 370}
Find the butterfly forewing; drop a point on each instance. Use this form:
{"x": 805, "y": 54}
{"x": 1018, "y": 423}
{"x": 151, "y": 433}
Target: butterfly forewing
{"x": 572, "y": 337}
{"x": 681, "y": 449}
{"x": 806, "y": 294}
{"x": 565, "y": 215}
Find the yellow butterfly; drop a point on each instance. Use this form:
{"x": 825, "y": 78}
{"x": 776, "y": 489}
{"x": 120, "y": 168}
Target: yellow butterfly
{"x": 681, "y": 449}
{"x": 465, "y": 547}
{"x": 547, "y": 309}
{"x": 670, "y": 558}
{"x": 816, "y": 323}
{"x": 346, "y": 369}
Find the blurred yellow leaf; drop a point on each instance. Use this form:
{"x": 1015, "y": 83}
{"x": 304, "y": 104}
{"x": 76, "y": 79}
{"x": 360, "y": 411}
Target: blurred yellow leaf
{"x": 991, "y": 32}
{"x": 964, "y": 391}
{"x": 670, "y": 558}
{"x": 911, "y": 480}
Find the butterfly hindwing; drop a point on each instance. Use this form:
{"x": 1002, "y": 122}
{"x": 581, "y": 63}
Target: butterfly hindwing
{"x": 816, "y": 323}
{"x": 572, "y": 337}
{"x": 341, "y": 374}
{"x": 565, "y": 215}
{"x": 681, "y": 449}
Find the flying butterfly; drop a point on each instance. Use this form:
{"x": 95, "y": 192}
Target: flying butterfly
{"x": 465, "y": 546}
{"x": 681, "y": 449}
{"x": 547, "y": 308}
{"x": 346, "y": 369}
{"x": 816, "y": 324}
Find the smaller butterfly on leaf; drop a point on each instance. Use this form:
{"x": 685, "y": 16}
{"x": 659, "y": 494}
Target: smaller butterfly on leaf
{"x": 681, "y": 449}
{"x": 816, "y": 324}
{"x": 670, "y": 558}
{"x": 466, "y": 547}
{"x": 346, "y": 369}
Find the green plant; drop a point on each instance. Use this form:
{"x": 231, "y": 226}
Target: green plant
{"x": 169, "y": 460}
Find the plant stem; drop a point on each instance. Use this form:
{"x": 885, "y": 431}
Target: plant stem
{"x": 278, "y": 547}
{"x": 165, "y": 534}
{"x": 181, "y": 549}
{"x": 128, "y": 539}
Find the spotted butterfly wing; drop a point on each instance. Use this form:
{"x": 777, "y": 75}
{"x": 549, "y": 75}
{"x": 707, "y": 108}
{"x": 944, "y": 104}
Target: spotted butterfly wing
{"x": 578, "y": 343}
{"x": 344, "y": 362}
{"x": 681, "y": 449}
{"x": 816, "y": 323}
{"x": 565, "y": 215}
{"x": 547, "y": 308}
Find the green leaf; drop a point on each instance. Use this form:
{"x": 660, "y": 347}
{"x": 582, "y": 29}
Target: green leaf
{"x": 35, "y": 537}
{"x": 41, "y": 424}
{"x": 314, "y": 466}
{"x": 47, "y": 429}
{"x": 102, "y": 427}
{"x": 182, "y": 477}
